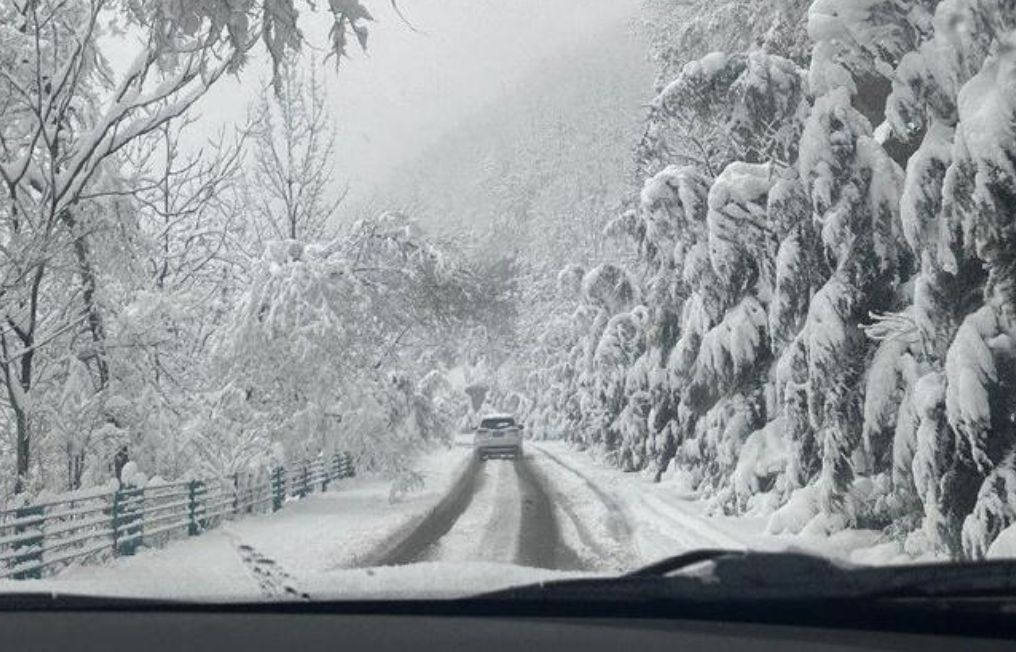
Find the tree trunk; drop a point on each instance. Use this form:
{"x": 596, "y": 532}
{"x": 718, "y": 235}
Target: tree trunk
{"x": 97, "y": 358}
{"x": 19, "y": 381}
{"x": 24, "y": 437}
{"x": 18, "y": 386}
{"x": 96, "y": 327}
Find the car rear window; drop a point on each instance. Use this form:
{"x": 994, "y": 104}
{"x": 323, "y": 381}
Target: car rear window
{"x": 500, "y": 422}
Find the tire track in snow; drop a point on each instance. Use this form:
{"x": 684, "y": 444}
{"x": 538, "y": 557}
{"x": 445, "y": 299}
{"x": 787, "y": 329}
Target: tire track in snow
{"x": 500, "y": 511}
{"x": 540, "y": 542}
{"x": 593, "y": 548}
{"x": 409, "y": 545}
{"x": 510, "y": 519}
{"x": 617, "y": 524}
{"x": 503, "y": 525}
{"x": 488, "y": 530}
{"x": 670, "y": 524}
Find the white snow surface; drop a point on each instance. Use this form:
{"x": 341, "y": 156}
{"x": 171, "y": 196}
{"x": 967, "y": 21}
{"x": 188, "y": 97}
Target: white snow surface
{"x": 647, "y": 521}
{"x": 490, "y": 532}
{"x": 1004, "y": 545}
{"x": 315, "y": 541}
{"x": 613, "y": 521}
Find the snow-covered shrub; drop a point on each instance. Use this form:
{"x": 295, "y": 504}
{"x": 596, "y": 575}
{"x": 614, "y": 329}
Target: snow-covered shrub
{"x": 1004, "y": 545}
{"x": 796, "y": 513}
{"x": 569, "y": 280}
{"x": 762, "y": 459}
{"x": 609, "y": 287}
{"x": 994, "y": 511}
{"x": 744, "y": 106}
{"x": 312, "y": 356}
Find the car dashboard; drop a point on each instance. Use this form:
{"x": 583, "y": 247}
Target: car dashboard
{"x": 109, "y": 631}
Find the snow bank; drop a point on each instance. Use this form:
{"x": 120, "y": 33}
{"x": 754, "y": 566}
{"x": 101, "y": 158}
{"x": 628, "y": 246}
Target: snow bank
{"x": 1004, "y": 546}
{"x": 796, "y": 513}
{"x": 763, "y": 455}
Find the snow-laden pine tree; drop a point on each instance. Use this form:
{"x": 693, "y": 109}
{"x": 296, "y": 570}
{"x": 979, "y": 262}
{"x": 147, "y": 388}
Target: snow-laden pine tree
{"x": 610, "y": 344}
{"x": 553, "y": 385}
{"x": 946, "y": 350}
{"x": 725, "y": 256}
{"x": 827, "y": 268}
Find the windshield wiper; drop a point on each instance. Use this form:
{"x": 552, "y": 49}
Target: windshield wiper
{"x": 679, "y": 562}
{"x": 792, "y": 588}
{"x": 741, "y": 574}
{"x": 733, "y": 575}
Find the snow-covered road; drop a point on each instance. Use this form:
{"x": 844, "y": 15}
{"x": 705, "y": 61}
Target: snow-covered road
{"x": 499, "y": 511}
{"x": 497, "y": 522}
{"x": 559, "y": 509}
{"x": 265, "y": 554}
{"x": 619, "y": 521}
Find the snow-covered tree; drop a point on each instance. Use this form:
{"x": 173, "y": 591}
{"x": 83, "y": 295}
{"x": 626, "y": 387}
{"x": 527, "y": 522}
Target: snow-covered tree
{"x": 826, "y": 264}
{"x": 328, "y": 343}
{"x": 291, "y": 185}
{"x": 69, "y": 120}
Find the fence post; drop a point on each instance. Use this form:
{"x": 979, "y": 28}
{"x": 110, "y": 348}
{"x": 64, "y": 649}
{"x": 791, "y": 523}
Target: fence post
{"x": 236, "y": 493}
{"x": 193, "y": 527}
{"x": 32, "y": 546}
{"x": 278, "y": 488}
{"x": 325, "y": 475}
{"x": 304, "y": 482}
{"x": 115, "y": 521}
{"x": 350, "y": 469}
{"x": 127, "y": 522}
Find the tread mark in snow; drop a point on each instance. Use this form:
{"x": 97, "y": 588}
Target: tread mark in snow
{"x": 540, "y": 543}
{"x": 418, "y": 543}
{"x": 617, "y": 524}
{"x": 597, "y": 554}
{"x": 687, "y": 529}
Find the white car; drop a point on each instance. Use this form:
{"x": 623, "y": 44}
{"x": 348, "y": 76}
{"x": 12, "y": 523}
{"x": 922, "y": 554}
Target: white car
{"x": 498, "y": 436}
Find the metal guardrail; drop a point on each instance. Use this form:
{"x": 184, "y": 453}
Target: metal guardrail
{"x": 43, "y": 538}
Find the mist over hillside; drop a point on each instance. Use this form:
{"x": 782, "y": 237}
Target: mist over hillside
{"x": 545, "y": 166}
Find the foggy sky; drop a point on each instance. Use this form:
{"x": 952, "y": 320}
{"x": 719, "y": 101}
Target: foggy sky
{"x": 413, "y": 86}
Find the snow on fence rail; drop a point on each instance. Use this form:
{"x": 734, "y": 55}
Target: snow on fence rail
{"x": 47, "y": 536}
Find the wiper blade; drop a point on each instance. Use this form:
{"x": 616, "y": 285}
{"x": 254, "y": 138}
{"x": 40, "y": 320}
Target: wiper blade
{"x": 734, "y": 575}
{"x": 737, "y": 575}
{"x": 789, "y": 588}
{"x": 680, "y": 562}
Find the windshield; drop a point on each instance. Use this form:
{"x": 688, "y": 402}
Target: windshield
{"x": 735, "y": 275}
